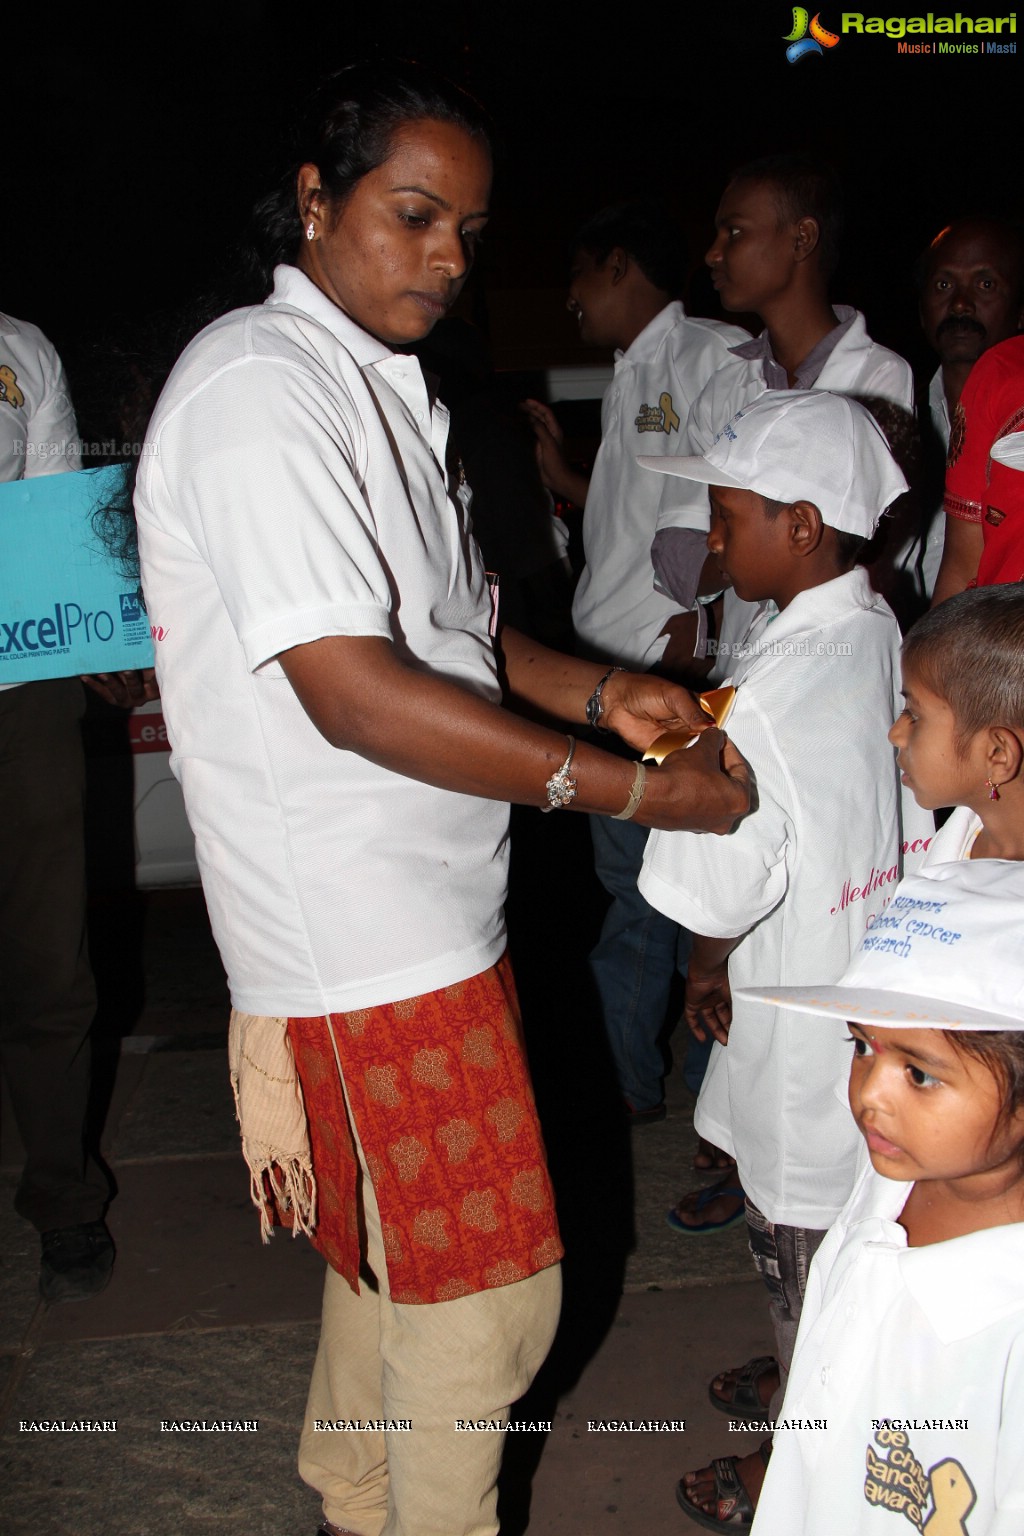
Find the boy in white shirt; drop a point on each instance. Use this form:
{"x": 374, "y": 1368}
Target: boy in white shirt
{"x": 798, "y": 481}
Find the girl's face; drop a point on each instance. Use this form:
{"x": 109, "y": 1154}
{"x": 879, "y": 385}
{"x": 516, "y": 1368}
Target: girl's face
{"x": 925, "y": 739}
{"x": 929, "y": 1113}
{"x": 395, "y": 254}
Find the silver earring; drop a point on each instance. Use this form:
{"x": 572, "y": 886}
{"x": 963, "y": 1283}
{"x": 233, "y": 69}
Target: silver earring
{"x": 310, "y": 230}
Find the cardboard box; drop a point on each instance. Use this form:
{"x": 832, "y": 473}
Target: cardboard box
{"x": 65, "y": 607}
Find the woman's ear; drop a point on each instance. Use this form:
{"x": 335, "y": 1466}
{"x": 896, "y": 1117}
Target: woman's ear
{"x": 308, "y": 196}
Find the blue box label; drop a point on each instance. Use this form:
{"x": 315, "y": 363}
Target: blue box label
{"x": 64, "y": 607}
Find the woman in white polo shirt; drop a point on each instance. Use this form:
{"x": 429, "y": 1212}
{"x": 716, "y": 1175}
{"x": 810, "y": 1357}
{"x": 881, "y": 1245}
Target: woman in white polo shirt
{"x": 331, "y": 689}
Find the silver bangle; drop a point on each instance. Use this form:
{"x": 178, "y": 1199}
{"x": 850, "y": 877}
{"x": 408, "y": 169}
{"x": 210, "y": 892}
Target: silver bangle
{"x": 636, "y": 794}
{"x": 561, "y": 786}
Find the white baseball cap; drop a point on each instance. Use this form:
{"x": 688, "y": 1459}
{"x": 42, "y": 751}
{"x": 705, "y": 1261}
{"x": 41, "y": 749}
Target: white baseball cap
{"x": 946, "y": 953}
{"x": 1009, "y": 450}
{"x": 802, "y": 445}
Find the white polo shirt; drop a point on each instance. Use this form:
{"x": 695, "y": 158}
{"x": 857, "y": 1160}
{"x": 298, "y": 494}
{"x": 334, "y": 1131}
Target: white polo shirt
{"x": 616, "y": 612}
{"x": 292, "y": 488}
{"x": 855, "y": 366}
{"x": 931, "y": 1339}
{"x": 38, "y": 431}
{"x": 800, "y": 877}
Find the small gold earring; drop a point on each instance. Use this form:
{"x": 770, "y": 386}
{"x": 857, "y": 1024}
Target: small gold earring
{"x": 993, "y": 789}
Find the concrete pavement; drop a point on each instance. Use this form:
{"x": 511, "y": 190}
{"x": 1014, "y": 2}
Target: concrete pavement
{"x": 202, "y": 1322}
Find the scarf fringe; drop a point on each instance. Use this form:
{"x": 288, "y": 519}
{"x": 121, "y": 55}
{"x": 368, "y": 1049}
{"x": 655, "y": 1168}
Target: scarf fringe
{"x": 292, "y": 1187}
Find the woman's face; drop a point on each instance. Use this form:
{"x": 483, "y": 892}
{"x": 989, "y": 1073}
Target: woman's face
{"x": 395, "y": 254}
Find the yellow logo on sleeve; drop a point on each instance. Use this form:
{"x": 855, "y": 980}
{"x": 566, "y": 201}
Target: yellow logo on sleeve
{"x": 9, "y": 390}
{"x": 662, "y": 417}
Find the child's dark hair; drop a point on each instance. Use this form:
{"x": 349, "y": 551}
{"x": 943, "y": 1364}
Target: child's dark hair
{"x": 1002, "y": 1051}
{"x": 970, "y": 651}
{"x": 645, "y": 230}
{"x": 347, "y": 131}
{"x": 804, "y": 188}
{"x": 848, "y": 545}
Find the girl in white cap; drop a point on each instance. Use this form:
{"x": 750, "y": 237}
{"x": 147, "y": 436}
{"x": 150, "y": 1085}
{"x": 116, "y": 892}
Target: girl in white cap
{"x": 906, "y": 1392}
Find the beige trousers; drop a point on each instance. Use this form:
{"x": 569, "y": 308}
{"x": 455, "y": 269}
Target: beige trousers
{"x": 430, "y": 1365}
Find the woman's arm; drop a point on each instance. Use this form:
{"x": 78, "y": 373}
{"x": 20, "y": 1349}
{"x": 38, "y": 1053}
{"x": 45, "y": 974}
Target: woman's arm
{"x": 363, "y": 699}
{"x": 638, "y": 706}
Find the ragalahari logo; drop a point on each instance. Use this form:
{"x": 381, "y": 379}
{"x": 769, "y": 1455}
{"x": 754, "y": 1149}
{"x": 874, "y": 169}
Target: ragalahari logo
{"x": 800, "y": 44}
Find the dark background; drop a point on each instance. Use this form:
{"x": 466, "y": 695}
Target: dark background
{"x": 136, "y": 140}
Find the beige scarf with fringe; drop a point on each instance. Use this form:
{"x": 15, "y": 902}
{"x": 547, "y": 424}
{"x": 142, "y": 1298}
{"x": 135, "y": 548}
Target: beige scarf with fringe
{"x": 272, "y": 1118}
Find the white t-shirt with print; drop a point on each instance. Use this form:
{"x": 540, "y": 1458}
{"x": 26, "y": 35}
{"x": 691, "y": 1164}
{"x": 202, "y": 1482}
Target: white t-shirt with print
{"x": 931, "y": 1339}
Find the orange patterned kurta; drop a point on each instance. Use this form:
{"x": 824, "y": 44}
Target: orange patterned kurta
{"x": 444, "y": 1110}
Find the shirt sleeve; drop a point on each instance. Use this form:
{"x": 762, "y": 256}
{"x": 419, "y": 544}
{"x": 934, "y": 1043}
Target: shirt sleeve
{"x": 52, "y": 439}
{"x": 263, "y": 470}
{"x": 1008, "y": 1494}
{"x": 684, "y": 503}
{"x": 678, "y": 556}
{"x": 721, "y": 886}
{"x": 970, "y": 443}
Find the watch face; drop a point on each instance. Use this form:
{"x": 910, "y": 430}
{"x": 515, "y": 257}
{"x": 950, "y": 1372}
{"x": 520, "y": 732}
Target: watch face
{"x": 593, "y": 711}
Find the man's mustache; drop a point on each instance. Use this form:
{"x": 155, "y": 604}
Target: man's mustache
{"x": 960, "y": 324}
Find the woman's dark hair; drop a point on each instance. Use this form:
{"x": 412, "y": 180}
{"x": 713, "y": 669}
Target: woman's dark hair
{"x": 347, "y": 131}
{"x": 970, "y": 651}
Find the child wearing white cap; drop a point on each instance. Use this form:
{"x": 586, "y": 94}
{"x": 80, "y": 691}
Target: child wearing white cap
{"x": 798, "y": 481}
{"x": 910, "y": 1355}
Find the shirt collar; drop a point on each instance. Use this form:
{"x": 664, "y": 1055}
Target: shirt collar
{"x": 650, "y": 338}
{"x": 823, "y": 605}
{"x": 294, "y": 290}
{"x": 775, "y": 376}
{"x": 963, "y": 1285}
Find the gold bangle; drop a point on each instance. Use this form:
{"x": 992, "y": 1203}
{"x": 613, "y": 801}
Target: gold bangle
{"x": 636, "y": 794}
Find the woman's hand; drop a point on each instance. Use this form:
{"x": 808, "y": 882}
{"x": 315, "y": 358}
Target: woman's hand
{"x": 705, "y": 788}
{"x": 640, "y": 707}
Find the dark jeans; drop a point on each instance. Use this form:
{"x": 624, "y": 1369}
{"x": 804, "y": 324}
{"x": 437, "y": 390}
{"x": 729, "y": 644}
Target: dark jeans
{"x": 47, "y": 998}
{"x": 636, "y": 958}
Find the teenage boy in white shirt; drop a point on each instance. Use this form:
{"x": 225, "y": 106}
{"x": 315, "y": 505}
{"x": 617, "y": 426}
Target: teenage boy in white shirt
{"x": 798, "y": 481}
{"x": 627, "y": 266}
{"x": 778, "y": 229}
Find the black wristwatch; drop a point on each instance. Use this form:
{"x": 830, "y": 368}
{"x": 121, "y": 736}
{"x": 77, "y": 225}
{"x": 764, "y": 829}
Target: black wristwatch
{"x": 594, "y": 707}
